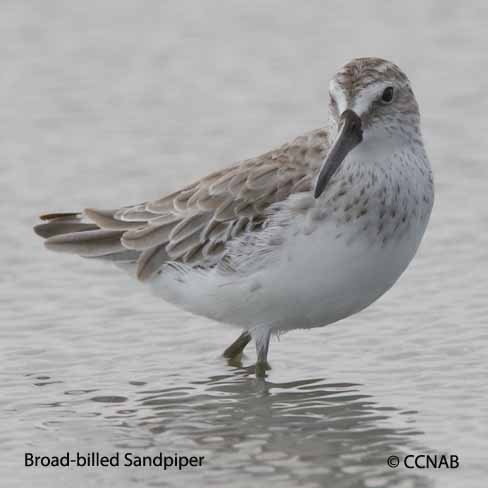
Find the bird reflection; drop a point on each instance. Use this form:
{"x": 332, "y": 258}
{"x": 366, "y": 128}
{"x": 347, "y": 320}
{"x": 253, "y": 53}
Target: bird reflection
{"x": 309, "y": 430}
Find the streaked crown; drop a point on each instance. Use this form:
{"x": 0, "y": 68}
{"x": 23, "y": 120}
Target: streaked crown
{"x": 363, "y": 72}
{"x": 378, "y": 91}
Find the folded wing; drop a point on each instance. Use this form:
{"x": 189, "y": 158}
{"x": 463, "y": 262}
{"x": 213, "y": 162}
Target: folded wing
{"x": 194, "y": 225}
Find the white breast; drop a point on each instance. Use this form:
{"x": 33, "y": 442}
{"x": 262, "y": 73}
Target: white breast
{"x": 318, "y": 274}
{"x": 312, "y": 281}
{"x": 322, "y": 279}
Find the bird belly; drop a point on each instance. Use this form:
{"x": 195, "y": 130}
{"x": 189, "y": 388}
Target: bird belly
{"x": 314, "y": 279}
{"x": 334, "y": 273}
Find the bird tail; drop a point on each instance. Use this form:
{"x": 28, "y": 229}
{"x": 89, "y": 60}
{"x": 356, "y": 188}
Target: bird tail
{"x": 79, "y": 233}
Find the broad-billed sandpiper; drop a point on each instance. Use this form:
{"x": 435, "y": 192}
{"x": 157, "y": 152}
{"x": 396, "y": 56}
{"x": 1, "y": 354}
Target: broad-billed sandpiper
{"x": 300, "y": 237}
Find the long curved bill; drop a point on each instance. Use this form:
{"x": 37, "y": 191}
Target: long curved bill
{"x": 349, "y": 136}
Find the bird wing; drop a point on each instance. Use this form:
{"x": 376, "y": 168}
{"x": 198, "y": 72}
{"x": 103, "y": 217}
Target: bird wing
{"x": 194, "y": 225}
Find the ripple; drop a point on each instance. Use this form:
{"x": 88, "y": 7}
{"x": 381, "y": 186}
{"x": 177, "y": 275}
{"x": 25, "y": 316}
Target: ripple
{"x": 109, "y": 399}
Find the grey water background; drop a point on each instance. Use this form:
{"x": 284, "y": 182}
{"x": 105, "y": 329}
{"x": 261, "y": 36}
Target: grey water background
{"x": 115, "y": 102}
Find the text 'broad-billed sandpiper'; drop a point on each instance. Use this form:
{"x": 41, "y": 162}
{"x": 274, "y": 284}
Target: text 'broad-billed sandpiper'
{"x": 300, "y": 237}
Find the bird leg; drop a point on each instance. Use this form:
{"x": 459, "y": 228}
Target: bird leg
{"x": 262, "y": 347}
{"x": 236, "y": 348}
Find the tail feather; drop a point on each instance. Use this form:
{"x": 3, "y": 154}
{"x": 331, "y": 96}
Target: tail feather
{"x": 126, "y": 256}
{"x": 105, "y": 219}
{"x": 62, "y": 223}
{"x": 60, "y": 215}
{"x": 59, "y": 227}
{"x": 90, "y": 243}
{"x": 101, "y": 234}
{"x": 75, "y": 233}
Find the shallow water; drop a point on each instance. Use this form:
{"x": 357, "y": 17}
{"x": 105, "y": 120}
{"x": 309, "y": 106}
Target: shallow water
{"x": 104, "y": 105}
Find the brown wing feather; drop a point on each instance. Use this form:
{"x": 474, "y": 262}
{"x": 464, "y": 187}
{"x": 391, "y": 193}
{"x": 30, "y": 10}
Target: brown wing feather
{"x": 195, "y": 224}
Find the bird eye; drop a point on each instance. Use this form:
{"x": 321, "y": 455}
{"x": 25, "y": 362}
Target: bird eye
{"x": 387, "y": 95}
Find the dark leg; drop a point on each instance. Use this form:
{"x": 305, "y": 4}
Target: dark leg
{"x": 236, "y": 348}
{"x": 262, "y": 347}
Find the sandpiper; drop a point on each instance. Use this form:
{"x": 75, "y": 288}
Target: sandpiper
{"x": 299, "y": 237}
